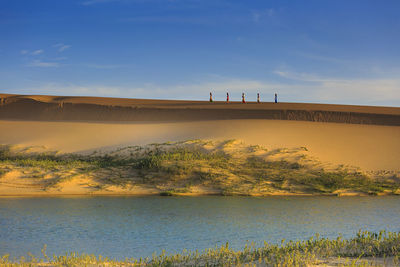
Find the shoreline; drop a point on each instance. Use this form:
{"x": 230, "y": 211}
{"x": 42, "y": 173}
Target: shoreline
{"x": 168, "y": 194}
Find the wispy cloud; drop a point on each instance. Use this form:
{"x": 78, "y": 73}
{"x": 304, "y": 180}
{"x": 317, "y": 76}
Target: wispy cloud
{"x": 37, "y": 52}
{"x": 344, "y": 90}
{"x": 367, "y": 91}
{"x": 258, "y": 15}
{"x": 59, "y": 58}
{"x": 62, "y": 47}
{"x": 151, "y": 90}
{"x": 298, "y": 76}
{"x": 299, "y": 87}
{"x": 32, "y": 53}
{"x": 43, "y": 64}
{"x": 321, "y": 57}
{"x": 323, "y": 90}
{"x": 103, "y": 66}
{"x": 170, "y": 19}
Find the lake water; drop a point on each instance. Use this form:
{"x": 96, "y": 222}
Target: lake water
{"x": 121, "y": 227}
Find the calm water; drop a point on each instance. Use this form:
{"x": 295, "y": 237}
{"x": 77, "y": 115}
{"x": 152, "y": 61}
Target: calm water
{"x": 138, "y": 226}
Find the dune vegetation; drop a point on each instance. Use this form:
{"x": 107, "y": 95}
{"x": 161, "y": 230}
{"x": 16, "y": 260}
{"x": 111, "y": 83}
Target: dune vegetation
{"x": 365, "y": 249}
{"x": 190, "y": 167}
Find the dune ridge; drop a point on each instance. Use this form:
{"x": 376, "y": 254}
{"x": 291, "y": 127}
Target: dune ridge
{"x": 59, "y": 108}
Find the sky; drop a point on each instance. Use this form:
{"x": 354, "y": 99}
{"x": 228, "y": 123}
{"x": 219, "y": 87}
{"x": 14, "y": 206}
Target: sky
{"x": 316, "y": 51}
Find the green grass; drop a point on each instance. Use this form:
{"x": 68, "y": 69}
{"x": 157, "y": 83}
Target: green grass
{"x": 179, "y": 166}
{"x": 345, "y": 252}
{"x": 157, "y": 159}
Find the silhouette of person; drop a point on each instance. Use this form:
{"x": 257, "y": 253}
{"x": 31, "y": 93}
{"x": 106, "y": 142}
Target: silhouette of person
{"x": 243, "y": 100}
{"x": 211, "y": 100}
{"x": 276, "y": 98}
{"x": 227, "y": 97}
{"x": 258, "y": 97}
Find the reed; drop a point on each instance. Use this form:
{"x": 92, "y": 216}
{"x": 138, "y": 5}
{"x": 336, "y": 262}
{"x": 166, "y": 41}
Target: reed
{"x": 365, "y": 249}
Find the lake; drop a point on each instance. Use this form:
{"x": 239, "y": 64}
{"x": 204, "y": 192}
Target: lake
{"x": 121, "y": 227}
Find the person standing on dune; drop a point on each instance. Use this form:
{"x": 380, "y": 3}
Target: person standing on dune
{"x": 276, "y": 98}
{"x": 211, "y": 100}
{"x": 227, "y": 97}
{"x": 258, "y": 97}
{"x": 243, "y": 100}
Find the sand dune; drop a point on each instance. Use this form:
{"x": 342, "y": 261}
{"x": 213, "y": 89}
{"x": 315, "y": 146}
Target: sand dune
{"x": 370, "y": 147}
{"x": 110, "y": 122}
{"x": 361, "y": 136}
{"x": 118, "y": 109}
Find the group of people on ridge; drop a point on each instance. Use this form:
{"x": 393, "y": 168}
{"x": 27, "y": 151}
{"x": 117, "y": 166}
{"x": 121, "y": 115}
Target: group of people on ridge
{"x": 243, "y": 98}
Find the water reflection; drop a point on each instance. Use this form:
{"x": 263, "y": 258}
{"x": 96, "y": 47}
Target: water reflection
{"x": 138, "y": 226}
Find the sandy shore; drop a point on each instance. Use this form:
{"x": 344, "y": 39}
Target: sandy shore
{"x": 360, "y": 136}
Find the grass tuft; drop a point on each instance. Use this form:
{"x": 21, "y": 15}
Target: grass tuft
{"x": 196, "y": 163}
{"x": 381, "y": 248}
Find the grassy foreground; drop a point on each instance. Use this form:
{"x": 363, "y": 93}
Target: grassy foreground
{"x": 365, "y": 249}
{"x": 225, "y": 167}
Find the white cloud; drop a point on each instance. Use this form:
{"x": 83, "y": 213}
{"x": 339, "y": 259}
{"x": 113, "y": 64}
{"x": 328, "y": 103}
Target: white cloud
{"x": 170, "y": 19}
{"x": 257, "y": 15}
{"x": 39, "y": 63}
{"x": 345, "y": 90}
{"x": 103, "y": 66}
{"x": 62, "y": 47}
{"x": 367, "y": 91}
{"x": 322, "y": 58}
{"x": 37, "y": 52}
{"x": 318, "y": 90}
{"x": 298, "y": 76}
{"x": 24, "y": 52}
{"x": 59, "y": 58}
{"x": 150, "y": 90}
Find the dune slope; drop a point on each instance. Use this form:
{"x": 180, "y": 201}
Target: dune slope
{"x": 116, "y": 109}
{"x": 364, "y": 139}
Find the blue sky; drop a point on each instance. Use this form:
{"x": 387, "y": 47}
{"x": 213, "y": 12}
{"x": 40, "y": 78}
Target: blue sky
{"x": 324, "y": 51}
